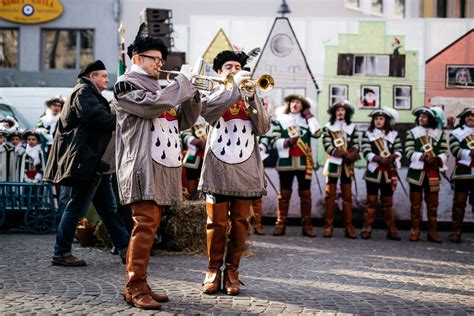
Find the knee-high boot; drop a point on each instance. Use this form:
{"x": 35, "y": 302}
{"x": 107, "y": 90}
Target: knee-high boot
{"x": 415, "y": 215}
{"x": 331, "y": 190}
{"x": 257, "y": 217}
{"x": 387, "y": 209}
{"x": 217, "y": 221}
{"x": 146, "y": 216}
{"x": 282, "y": 212}
{"x": 369, "y": 216}
{"x": 432, "y": 202}
{"x": 305, "y": 204}
{"x": 350, "y": 231}
{"x": 191, "y": 187}
{"x": 459, "y": 207}
{"x": 239, "y": 210}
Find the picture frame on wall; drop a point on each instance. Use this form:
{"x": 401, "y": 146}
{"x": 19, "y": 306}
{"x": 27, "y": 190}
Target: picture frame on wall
{"x": 337, "y": 93}
{"x": 402, "y": 97}
{"x": 369, "y": 97}
{"x": 460, "y": 76}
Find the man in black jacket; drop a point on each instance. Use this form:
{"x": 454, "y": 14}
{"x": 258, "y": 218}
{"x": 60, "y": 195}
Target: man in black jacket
{"x": 84, "y": 131}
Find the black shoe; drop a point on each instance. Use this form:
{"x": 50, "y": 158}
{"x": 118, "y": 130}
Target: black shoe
{"x": 68, "y": 261}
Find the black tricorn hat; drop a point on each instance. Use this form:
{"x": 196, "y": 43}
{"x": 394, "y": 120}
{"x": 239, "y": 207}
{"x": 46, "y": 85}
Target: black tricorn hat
{"x": 229, "y": 55}
{"x": 466, "y": 111}
{"x": 143, "y": 42}
{"x": 58, "y": 98}
{"x": 93, "y": 66}
{"x": 15, "y": 132}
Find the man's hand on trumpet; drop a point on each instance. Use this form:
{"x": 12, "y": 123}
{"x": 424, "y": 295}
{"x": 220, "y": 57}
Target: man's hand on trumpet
{"x": 240, "y": 78}
{"x": 187, "y": 71}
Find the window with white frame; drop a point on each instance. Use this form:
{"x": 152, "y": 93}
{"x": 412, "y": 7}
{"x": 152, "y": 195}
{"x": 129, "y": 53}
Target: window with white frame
{"x": 8, "y": 48}
{"x": 377, "y": 7}
{"x": 352, "y": 4}
{"x": 337, "y": 93}
{"x": 372, "y": 65}
{"x": 67, "y": 49}
{"x": 402, "y": 97}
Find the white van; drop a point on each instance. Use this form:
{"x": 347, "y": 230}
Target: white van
{"x": 30, "y": 102}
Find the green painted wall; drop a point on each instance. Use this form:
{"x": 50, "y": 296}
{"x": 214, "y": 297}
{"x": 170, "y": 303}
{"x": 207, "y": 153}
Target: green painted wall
{"x": 370, "y": 40}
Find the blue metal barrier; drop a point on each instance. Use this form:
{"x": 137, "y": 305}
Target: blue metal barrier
{"x": 33, "y": 201}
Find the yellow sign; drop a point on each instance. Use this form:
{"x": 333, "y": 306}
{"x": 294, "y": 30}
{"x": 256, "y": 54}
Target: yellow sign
{"x": 30, "y": 11}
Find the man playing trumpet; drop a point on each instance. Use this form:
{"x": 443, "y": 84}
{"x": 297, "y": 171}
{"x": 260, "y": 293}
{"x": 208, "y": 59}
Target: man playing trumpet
{"x": 148, "y": 152}
{"x": 232, "y": 173}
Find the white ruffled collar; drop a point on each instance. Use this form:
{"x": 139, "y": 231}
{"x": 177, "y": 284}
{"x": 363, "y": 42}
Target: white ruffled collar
{"x": 462, "y": 132}
{"x": 378, "y": 133}
{"x": 434, "y": 133}
{"x": 339, "y": 126}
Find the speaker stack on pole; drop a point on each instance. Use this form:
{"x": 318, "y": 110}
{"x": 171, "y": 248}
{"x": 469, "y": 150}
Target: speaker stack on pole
{"x": 159, "y": 25}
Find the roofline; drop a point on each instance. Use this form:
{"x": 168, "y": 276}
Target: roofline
{"x": 297, "y": 42}
{"x": 449, "y": 46}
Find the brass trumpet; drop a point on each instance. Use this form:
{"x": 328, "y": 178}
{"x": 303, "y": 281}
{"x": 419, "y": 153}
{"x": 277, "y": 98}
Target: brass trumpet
{"x": 264, "y": 84}
{"x": 205, "y": 83}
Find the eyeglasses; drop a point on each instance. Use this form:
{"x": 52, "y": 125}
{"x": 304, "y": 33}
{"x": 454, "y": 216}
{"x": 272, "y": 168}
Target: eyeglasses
{"x": 157, "y": 60}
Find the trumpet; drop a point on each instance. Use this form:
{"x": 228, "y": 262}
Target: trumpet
{"x": 205, "y": 83}
{"x": 264, "y": 84}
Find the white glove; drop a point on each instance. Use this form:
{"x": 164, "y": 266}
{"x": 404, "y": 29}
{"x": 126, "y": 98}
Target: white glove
{"x": 187, "y": 71}
{"x": 38, "y": 177}
{"x": 241, "y": 76}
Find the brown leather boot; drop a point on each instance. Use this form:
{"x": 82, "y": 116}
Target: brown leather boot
{"x": 161, "y": 298}
{"x": 331, "y": 190}
{"x": 387, "y": 209}
{"x": 191, "y": 187}
{"x": 350, "y": 231}
{"x": 231, "y": 282}
{"x": 282, "y": 212}
{"x": 217, "y": 221}
{"x": 415, "y": 215}
{"x": 431, "y": 200}
{"x": 146, "y": 216}
{"x": 459, "y": 207}
{"x": 305, "y": 204}
{"x": 369, "y": 216}
{"x": 257, "y": 217}
{"x": 239, "y": 210}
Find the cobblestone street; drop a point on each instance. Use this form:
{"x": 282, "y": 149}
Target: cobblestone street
{"x": 284, "y": 275}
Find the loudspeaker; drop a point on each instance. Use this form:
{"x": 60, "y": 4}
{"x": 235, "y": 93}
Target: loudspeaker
{"x": 159, "y": 29}
{"x": 155, "y": 15}
{"x": 174, "y": 62}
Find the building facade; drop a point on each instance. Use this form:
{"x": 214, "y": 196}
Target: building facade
{"x": 51, "y": 53}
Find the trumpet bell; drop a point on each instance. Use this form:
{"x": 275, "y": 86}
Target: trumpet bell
{"x": 264, "y": 84}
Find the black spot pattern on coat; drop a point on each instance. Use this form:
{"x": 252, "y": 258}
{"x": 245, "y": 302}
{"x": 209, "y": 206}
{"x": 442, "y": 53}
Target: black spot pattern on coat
{"x": 219, "y": 140}
{"x": 229, "y": 142}
{"x": 152, "y": 127}
{"x": 175, "y": 130}
{"x": 179, "y": 158}
{"x": 235, "y": 129}
{"x": 226, "y": 131}
{"x": 223, "y": 151}
{"x": 169, "y": 130}
{"x": 163, "y": 156}
{"x": 238, "y": 141}
{"x": 244, "y": 130}
{"x": 218, "y": 125}
{"x": 169, "y": 143}
{"x": 175, "y": 144}
{"x": 247, "y": 143}
{"x": 158, "y": 143}
{"x": 241, "y": 154}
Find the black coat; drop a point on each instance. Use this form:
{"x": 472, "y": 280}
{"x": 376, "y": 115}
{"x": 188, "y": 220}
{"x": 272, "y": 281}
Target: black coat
{"x": 83, "y": 132}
